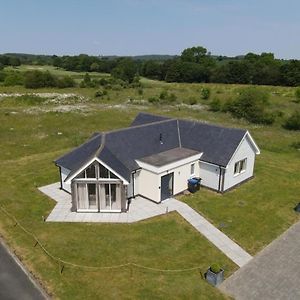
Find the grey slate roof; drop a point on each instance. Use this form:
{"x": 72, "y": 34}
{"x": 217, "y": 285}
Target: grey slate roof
{"x": 120, "y": 148}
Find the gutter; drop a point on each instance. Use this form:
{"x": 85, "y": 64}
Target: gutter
{"x": 132, "y": 174}
{"x": 221, "y": 179}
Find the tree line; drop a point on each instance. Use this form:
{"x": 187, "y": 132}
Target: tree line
{"x": 195, "y": 64}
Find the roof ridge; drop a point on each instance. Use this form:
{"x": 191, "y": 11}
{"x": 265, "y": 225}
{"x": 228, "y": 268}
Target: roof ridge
{"x": 211, "y": 124}
{"x": 139, "y": 126}
{"x": 81, "y": 145}
{"x": 179, "y": 136}
{"x": 97, "y": 153}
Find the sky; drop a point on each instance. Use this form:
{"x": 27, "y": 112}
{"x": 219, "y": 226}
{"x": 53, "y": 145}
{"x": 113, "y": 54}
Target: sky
{"x": 137, "y": 27}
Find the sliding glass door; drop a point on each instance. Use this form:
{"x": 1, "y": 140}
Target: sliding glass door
{"x": 87, "y": 196}
{"x": 110, "y": 196}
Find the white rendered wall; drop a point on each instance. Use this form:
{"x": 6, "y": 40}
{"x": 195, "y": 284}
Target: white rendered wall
{"x": 209, "y": 174}
{"x": 64, "y": 173}
{"x": 245, "y": 150}
{"x": 148, "y": 183}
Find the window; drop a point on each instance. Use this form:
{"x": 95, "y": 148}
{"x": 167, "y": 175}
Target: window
{"x": 103, "y": 172}
{"x": 240, "y": 166}
{"x": 92, "y": 196}
{"x": 91, "y": 172}
{"x": 192, "y": 169}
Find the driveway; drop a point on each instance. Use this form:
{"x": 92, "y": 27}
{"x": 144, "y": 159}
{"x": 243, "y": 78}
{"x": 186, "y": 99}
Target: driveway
{"x": 272, "y": 274}
{"x": 14, "y": 283}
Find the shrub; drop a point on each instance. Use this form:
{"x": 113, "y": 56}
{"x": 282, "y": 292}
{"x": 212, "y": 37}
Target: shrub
{"x": 100, "y": 93}
{"x": 65, "y": 82}
{"x": 296, "y": 145}
{"x": 163, "y": 95}
{"x": 103, "y": 81}
{"x": 293, "y": 122}
{"x": 37, "y": 79}
{"x": 215, "y": 105}
{"x": 251, "y": 105}
{"x": 215, "y": 268}
{"x": 205, "y": 93}
{"x": 13, "y": 78}
{"x": 153, "y": 99}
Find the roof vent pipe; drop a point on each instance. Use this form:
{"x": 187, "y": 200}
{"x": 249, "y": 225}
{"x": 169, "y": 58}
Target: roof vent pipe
{"x": 160, "y": 139}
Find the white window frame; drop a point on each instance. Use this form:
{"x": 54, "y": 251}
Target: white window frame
{"x": 240, "y": 167}
{"x": 192, "y": 169}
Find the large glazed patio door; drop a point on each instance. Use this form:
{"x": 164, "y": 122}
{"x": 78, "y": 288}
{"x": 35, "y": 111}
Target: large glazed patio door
{"x": 110, "y": 196}
{"x": 87, "y": 196}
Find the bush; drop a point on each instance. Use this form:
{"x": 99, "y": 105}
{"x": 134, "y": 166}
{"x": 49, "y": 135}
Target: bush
{"x": 13, "y": 78}
{"x": 100, "y": 93}
{"x": 205, "y": 93}
{"x": 215, "y": 105}
{"x": 297, "y": 94}
{"x": 293, "y": 122}
{"x": 166, "y": 97}
{"x": 163, "y": 95}
{"x": 153, "y": 99}
{"x": 296, "y": 145}
{"x": 37, "y": 79}
{"x": 65, "y": 82}
{"x": 251, "y": 105}
{"x": 140, "y": 91}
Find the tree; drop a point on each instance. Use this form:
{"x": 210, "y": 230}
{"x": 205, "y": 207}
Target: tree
{"x": 251, "y": 105}
{"x": 194, "y": 54}
{"x": 125, "y": 70}
{"x": 293, "y": 122}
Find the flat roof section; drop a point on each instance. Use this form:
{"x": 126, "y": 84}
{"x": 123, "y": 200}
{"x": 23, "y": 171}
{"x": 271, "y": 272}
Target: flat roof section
{"x": 167, "y": 157}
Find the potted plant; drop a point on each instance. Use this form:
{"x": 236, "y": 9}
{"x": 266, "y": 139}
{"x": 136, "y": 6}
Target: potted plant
{"x": 215, "y": 274}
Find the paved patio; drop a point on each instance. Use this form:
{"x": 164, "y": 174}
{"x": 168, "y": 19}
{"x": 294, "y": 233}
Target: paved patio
{"x": 274, "y": 273}
{"x": 141, "y": 209}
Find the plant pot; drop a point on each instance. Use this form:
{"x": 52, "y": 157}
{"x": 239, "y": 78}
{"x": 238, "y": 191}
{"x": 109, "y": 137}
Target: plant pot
{"x": 214, "y": 278}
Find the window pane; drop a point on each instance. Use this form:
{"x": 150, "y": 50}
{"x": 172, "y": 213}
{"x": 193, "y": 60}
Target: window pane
{"x": 92, "y": 195}
{"x": 243, "y": 165}
{"x": 236, "y": 168}
{"x": 91, "y": 172}
{"x": 112, "y": 175}
{"x": 81, "y": 175}
{"x": 82, "y": 196}
{"x": 103, "y": 172}
{"x": 113, "y": 193}
{"x": 192, "y": 169}
{"x": 107, "y": 197}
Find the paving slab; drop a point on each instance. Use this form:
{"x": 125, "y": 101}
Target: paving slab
{"x": 214, "y": 235}
{"x": 141, "y": 209}
{"x": 274, "y": 273}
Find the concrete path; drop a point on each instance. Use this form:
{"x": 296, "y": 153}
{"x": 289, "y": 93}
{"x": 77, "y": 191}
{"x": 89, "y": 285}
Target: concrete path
{"x": 274, "y": 273}
{"x": 141, "y": 209}
{"x": 214, "y": 235}
{"x": 14, "y": 282}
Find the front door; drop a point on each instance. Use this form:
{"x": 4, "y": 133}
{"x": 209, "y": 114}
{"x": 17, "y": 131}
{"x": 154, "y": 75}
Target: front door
{"x": 166, "y": 186}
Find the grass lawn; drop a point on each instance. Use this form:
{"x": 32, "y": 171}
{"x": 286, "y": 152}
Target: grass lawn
{"x": 166, "y": 242}
{"x": 34, "y": 134}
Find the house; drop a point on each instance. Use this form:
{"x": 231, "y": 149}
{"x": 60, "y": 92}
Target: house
{"x": 153, "y": 159}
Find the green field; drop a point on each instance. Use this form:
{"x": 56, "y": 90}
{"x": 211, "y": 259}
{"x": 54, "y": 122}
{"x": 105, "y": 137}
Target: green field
{"x": 36, "y": 130}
